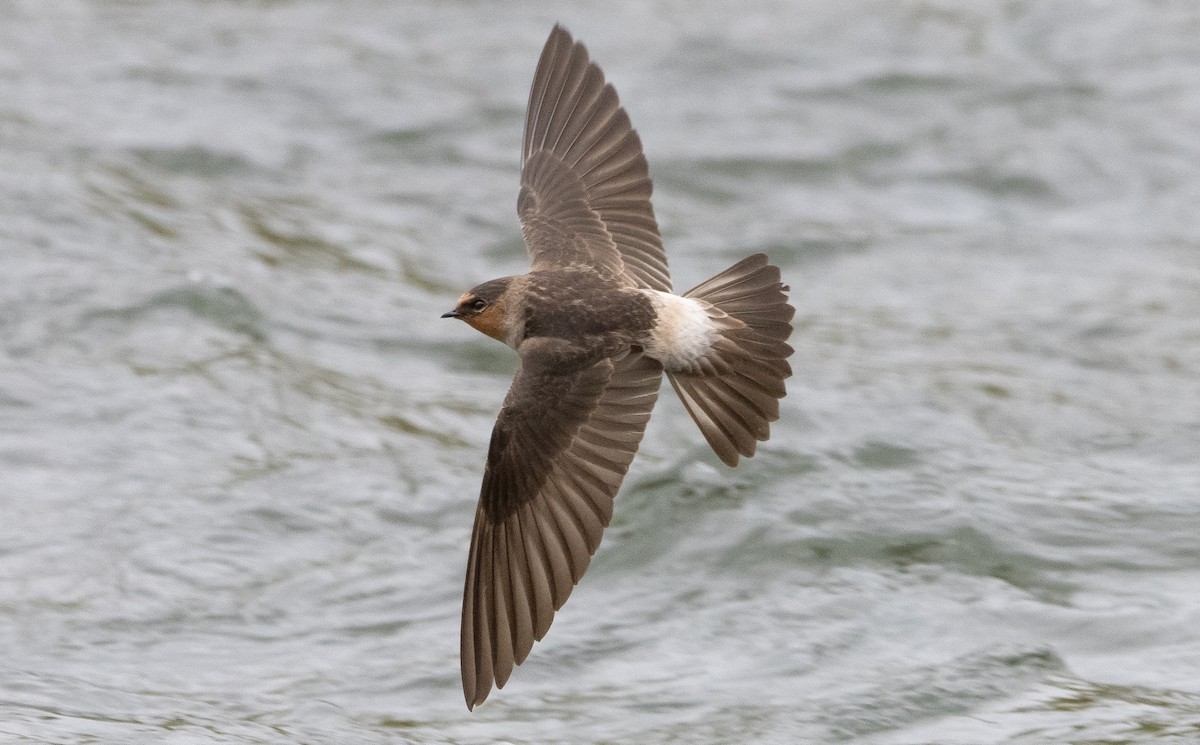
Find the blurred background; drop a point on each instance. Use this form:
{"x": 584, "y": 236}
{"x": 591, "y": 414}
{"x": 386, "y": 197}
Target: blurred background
{"x": 240, "y": 452}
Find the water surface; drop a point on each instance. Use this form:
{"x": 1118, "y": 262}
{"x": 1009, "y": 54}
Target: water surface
{"x": 240, "y": 451}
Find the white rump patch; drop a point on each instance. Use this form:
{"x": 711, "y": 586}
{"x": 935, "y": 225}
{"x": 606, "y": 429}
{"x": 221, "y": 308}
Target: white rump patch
{"x": 683, "y": 332}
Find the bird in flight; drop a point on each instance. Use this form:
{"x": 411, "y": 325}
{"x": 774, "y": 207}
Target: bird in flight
{"x": 595, "y": 325}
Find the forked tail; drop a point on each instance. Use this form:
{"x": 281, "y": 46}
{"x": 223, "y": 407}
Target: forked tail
{"x": 733, "y": 392}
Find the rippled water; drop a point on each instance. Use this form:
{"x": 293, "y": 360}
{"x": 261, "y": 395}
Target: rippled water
{"x": 239, "y": 452}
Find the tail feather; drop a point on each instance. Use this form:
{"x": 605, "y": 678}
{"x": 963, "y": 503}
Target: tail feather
{"x": 733, "y": 393}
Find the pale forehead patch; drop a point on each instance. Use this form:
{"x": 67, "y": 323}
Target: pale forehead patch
{"x": 683, "y": 332}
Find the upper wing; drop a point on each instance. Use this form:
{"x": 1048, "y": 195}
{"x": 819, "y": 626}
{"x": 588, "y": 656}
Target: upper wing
{"x": 585, "y": 188}
{"x": 560, "y": 449}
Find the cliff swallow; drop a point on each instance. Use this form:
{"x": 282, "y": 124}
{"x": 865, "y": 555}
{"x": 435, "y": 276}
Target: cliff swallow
{"x": 595, "y": 325}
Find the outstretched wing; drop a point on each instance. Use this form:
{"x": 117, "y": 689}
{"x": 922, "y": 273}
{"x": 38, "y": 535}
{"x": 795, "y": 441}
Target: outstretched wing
{"x": 560, "y": 448}
{"x": 585, "y": 188}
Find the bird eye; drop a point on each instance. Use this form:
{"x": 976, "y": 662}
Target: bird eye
{"x": 478, "y": 303}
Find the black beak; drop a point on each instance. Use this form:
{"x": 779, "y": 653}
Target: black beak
{"x": 451, "y": 314}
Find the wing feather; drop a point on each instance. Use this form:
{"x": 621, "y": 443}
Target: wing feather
{"x": 557, "y": 458}
{"x": 585, "y": 186}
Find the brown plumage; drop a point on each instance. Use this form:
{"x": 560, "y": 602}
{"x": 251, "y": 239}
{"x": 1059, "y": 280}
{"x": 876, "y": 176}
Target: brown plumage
{"x": 595, "y": 326}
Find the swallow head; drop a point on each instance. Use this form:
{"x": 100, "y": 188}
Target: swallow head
{"x": 484, "y": 308}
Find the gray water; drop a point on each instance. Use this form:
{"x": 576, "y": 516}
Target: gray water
{"x": 239, "y": 451}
